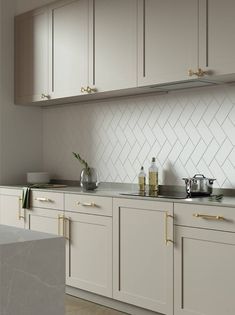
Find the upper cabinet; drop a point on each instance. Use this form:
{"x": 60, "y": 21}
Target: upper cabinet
{"x": 72, "y": 48}
{"x": 31, "y": 56}
{"x": 217, "y": 43}
{"x": 168, "y": 40}
{"x": 69, "y": 44}
{"x": 115, "y": 42}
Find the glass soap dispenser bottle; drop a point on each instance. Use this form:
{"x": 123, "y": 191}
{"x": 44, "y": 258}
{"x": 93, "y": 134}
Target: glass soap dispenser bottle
{"x": 142, "y": 180}
{"x": 153, "y": 178}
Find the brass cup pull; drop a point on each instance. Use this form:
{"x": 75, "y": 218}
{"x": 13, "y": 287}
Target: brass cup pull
{"x": 43, "y": 96}
{"x": 208, "y": 216}
{"x": 198, "y": 73}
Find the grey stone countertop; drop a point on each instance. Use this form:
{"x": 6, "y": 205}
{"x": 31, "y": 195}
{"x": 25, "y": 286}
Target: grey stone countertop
{"x": 116, "y": 191}
{"x": 12, "y": 235}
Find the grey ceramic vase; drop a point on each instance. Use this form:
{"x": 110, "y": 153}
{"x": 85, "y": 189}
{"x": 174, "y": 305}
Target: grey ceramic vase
{"x": 89, "y": 179}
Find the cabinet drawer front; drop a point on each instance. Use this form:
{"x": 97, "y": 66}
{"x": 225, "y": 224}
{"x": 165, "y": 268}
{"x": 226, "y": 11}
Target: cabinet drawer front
{"x": 11, "y": 192}
{"x": 209, "y": 217}
{"x": 88, "y": 204}
{"x": 49, "y": 200}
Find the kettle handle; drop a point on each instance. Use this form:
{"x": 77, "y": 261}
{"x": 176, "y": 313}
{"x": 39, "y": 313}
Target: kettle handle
{"x": 199, "y": 176}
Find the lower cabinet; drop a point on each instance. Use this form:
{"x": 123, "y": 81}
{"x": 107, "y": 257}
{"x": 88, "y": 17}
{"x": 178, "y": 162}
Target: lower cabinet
{"x": 126, "y": 251}
{"x": 204, "y": 259}
{"x": 204, "y": 272}
{"x": 11, "y": 212}
{"x": 143, "y": 254}
{"x": 89, "y": 252}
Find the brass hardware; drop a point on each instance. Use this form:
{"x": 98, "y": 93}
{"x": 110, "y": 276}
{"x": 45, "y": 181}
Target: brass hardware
{"x": 208, "y": 217}
{"x": 19, "y": 210}
{"x": 66, "y": 221}
{"x": 89, "y": 204}
{"x": 43, "y": 199}
{"x": 191, "y": 73}
{"x": 64, "y": 231}
{"x": 167, "y": 240}
{"x": 88, "y": 89}
{"x": 60, "y": 217}
{"x": 43, "y": 96}
{"x": 199, "y": 73}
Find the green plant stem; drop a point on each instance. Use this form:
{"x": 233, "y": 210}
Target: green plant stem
{"x": 83, "y": 162}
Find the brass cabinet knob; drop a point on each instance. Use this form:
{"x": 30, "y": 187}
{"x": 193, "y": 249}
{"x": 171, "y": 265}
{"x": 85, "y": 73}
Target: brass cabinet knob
{"x": 83, "y": 90}
{"x": 198, "y": 73}
{"x": 43, "y": 96}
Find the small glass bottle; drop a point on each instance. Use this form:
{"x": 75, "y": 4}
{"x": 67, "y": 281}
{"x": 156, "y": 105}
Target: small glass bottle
{"x": 142, "y": 180}
{"x": 153, "y": 178}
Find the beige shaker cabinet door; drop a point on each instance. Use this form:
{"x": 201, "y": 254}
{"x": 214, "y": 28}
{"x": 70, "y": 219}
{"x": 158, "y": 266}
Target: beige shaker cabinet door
{"x": 44, "y": 220}
{"x": 204, "y": 275}
{"x": 143, "y": 262}
{"x": 69, "y": 47}
{"x": 167, "y": 40}
{"x": 115, "y": 44}
{"x": 217, "y": 43}
{"x": 31, "y": 56}
{"x": 89, "y": 252}
{"x": 11, "y": 212}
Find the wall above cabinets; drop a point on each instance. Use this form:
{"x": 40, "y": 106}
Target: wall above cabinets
{"x": 78, "y": 50}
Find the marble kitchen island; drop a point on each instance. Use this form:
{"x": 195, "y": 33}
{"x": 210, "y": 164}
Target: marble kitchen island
{"x": 32, "y": 272}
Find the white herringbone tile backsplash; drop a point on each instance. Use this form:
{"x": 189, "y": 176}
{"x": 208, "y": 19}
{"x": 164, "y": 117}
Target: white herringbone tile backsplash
{"x": 188, "y": 132}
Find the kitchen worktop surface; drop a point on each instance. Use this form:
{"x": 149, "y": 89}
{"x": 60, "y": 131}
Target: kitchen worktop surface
{"x": 117, "y": 191}
{"x": 12, "y": 235}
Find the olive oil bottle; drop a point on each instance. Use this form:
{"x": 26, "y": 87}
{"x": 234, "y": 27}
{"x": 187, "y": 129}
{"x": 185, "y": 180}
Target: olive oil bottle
{"x": 153, "y": 178}
{"x": 142, "y": 180}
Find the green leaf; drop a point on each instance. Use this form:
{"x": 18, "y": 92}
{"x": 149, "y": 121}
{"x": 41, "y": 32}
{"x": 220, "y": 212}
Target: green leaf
{"x": 82, "y": 161}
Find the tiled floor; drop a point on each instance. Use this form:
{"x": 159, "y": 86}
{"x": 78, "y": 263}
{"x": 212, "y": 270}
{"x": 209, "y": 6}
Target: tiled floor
{"x": 75, "y": 306}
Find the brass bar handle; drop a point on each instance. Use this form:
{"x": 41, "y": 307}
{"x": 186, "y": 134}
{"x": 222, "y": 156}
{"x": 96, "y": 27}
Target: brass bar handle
{"x": 167, "y": 240}
{"x": 191, "y": 73}
{"x": 60, "y": 217}
{"x": 90, "y": 90}
{"x": 20, "y": 216}
{"x": 89, "y": 204}
{"x": 43, "y": 199}
{"x": 208, "y": 216}
{"x": 66, "y": 223}
{"x": 43, "y": 96}
{"x": 199, "y": 73}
